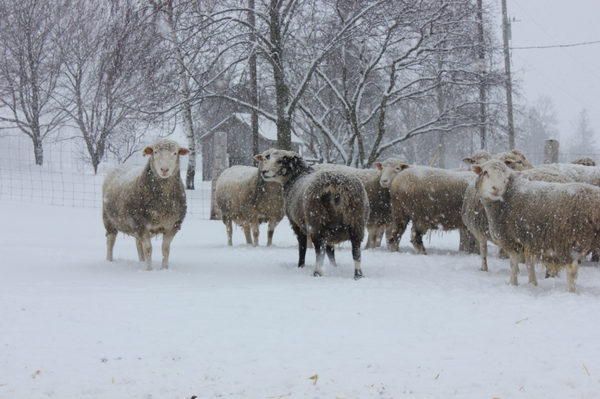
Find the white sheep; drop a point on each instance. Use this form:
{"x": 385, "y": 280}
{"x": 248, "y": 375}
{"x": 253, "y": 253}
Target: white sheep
{"x": 329, "y": 206}
{"x": 145, "y": 200}
{"x": 557, "y": 223}
{"x": 247, "y": 200}
{"x": 579, "y": 173}
{"x": 429, "y": 197}
{"x": 380, "y": 213}
{"x": 473, "y": 214}
{"x": 474, "y": 217}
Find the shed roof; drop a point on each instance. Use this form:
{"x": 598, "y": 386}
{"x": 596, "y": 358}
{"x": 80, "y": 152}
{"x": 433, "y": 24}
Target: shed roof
{"x": 266, "y": 128}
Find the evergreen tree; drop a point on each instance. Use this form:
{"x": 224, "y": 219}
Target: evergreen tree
{"x": 583, "y": 140}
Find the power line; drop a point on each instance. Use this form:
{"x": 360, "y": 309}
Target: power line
{"x": 557, "y": 45}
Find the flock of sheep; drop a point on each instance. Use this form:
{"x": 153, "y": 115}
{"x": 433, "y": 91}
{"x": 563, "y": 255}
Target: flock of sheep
{"x": 548, "y": 213}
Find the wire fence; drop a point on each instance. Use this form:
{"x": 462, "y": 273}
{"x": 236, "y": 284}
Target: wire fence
{"x": 66, "y": 179}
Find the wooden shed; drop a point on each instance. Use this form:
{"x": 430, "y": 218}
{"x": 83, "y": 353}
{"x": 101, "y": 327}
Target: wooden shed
{"x": 239, "y": 141}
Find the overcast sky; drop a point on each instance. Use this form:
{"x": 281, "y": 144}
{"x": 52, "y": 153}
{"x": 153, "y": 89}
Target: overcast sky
{"x": 570, "y": 76}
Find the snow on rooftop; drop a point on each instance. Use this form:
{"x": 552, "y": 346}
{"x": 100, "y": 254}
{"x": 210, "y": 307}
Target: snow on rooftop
{"x": 266, "y": 127}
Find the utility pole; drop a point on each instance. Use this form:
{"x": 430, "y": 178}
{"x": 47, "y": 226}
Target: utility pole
{"x": 509, "y": 103}
{"x": 481, "y": 69}
{"x": 253, "y": 80}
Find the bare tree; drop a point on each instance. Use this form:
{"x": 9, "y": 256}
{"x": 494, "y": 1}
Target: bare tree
{"x": 410, "y": 51}
{"x": 113, "y": 72}
{"x": 188, "y": 31}
{"x": 538, "y": 124}
{"x": 284, "y": 32}
{"x": 29, "y": 69}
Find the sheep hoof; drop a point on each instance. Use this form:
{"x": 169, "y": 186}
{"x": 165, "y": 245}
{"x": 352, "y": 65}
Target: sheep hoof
{"x": 358, "y": 274}
{"x": 317, "y": 274}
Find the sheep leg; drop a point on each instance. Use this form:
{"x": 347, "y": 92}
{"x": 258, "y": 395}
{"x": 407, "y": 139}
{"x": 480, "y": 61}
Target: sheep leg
{"x": 166, "y": 247}
{"x": 302, "y": 239}
{"x": 514, "y": 268}
{"x": 396, "y": 233}
{"x": 140, "y": 250}
{"x": 416, "y": 238}
{"x": 246, "y": 227}
{"x": 371, "y": 238}
{"x": 110, "y": 244}
{"x": 356, "y": 257}
{"x": 147, "y": 249}
{"x": 229, "y": 228}
{"x": 529, "y": 262}
{"x": 319, "y": 245}
{"x": 389, "y": 232}
{"x": 330, "y": 251}
{"x": 572, "y": 271}
{"x": 483, "y": 250}
{"x": 272, "y": 224}
{"x": 255, "y": 232}
{"x": 379, "y": 235}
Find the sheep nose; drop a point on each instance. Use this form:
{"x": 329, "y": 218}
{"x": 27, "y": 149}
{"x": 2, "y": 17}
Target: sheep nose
{"x": 164, "y": 170}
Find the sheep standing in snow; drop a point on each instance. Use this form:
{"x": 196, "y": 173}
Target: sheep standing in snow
{"x": 145, "y": 200}
{"x": 474, "y": 217}
{"x": 380, "y": 213}
{"x": 429, "y": 197}
{"x": 329, "y": 206}
{"x": 248, "y": 200}
{"x": 473, "y": 213}
{"x": 556, "y": 222}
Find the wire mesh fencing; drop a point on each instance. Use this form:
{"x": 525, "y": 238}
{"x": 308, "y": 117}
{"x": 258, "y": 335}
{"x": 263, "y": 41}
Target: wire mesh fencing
{"x": 66, "y": 179}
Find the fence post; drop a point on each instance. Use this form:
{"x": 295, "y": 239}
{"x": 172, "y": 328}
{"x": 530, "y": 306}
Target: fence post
{"x": 551, "y": 151}
{"x": 219, "y": 165}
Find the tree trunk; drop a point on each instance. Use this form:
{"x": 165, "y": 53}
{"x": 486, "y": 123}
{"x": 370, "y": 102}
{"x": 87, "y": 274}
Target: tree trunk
{"x": 38, "y": 150}
{"x": 187, "y": 107}
{"x": 191, "y": 168}
{"x": 284, "y": 123}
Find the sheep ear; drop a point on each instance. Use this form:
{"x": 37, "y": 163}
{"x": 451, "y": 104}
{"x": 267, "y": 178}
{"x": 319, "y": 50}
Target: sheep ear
{"x": 148, "y": 151}
{"x": 405, "y": 166}
{"x": 468, "y": 161}
{"x": 514, "y": 175}
{"x": 183, "y": 151}
{"x": 476, "y": 168}
{"x": 378, "y": 165}
{"x": 258, "y": 157}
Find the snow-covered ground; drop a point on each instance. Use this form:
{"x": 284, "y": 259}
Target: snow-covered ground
{"x": 244, "y": 322}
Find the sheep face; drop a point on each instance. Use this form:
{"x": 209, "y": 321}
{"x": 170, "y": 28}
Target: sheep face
{"x": 164, "y": 157}
{"x": 493, "y": 180}
{"x": 477, "y": 158}
{"x": 515, "y": 160}
{"x": 277, "y": 165}
{"x": 389, "y": 169}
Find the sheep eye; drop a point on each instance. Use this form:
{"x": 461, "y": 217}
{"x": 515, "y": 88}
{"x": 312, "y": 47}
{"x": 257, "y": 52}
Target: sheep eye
{"x": 268, "y": 156}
